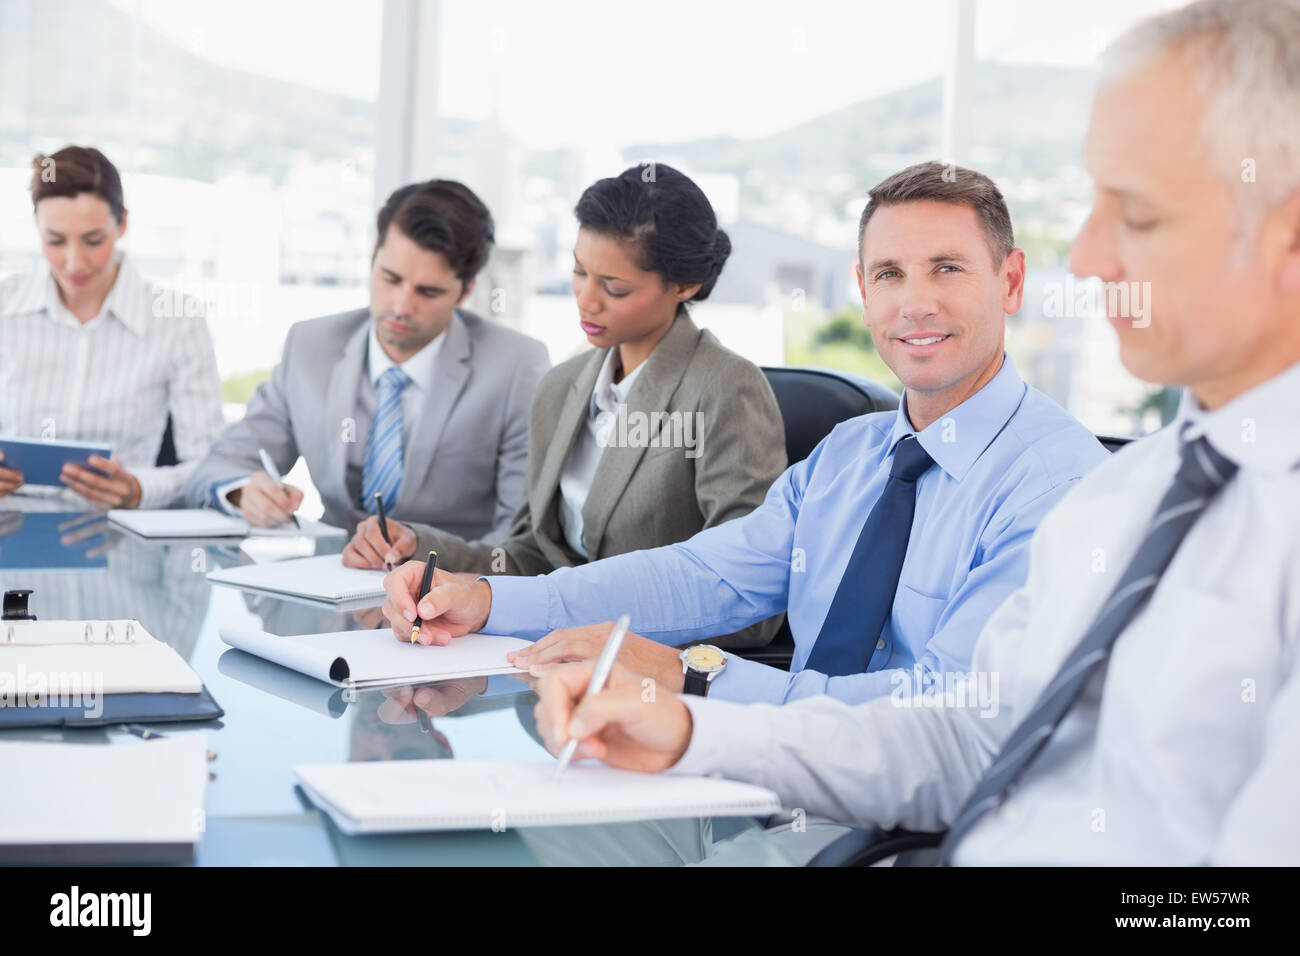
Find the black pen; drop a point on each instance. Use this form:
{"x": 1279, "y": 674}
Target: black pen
{"x": 426, "y": 582}
{"x": 383, "y": 526}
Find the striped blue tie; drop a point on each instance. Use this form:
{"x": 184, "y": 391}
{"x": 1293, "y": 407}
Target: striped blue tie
{"x": 1201, "y": 476}
{"x": 382, "y": 472}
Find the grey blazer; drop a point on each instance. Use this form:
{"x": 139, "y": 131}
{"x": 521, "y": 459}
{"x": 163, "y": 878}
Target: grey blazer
{"x": 641, "y": 497}
{"x": 463, "y": 470}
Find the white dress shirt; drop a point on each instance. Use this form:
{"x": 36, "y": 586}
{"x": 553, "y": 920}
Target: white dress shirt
{"x": 114, "y": 379}
{"x": 584, "y": 459}
{"x": 415, "y": 398}
{"x": 1184, "y": 750}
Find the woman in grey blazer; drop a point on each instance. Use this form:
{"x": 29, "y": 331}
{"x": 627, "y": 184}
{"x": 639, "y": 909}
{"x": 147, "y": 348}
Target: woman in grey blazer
{"x": 655, "y": 434}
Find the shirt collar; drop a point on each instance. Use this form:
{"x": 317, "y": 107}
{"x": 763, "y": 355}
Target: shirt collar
{"x": 606, "y": 396}
{"x": 129, "y": 299}
{"x": 418, "y": 368}
{"x": 1257, "y": 429}
{"x": 29, "y": 293}
{"x": 959, "y": 437}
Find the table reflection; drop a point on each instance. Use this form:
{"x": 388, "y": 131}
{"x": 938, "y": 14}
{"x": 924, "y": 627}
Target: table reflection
{"x": 79, "y": 567}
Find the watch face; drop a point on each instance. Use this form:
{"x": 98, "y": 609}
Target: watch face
{"x": 702, "y": 657}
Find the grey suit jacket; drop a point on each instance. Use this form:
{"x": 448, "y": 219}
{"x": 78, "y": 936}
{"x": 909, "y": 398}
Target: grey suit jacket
{"x": 463, "y": 470}
{"x": 640, "y": 497}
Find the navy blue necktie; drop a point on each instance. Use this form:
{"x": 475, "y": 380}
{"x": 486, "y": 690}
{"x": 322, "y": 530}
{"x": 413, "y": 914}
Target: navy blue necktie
{"x": 1200, "y": 477}
{"x": 866, "y": 593}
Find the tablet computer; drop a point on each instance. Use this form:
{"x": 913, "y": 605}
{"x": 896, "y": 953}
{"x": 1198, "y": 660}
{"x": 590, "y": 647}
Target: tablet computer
{"x": 41, "y": 462}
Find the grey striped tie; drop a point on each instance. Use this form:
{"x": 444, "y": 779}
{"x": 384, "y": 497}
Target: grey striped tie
{"x": 1202, "y": 473}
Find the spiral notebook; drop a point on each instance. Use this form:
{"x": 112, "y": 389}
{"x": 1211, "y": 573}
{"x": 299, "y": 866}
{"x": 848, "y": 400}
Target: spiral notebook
{"x": 322, "y": 578}
{"x": 407, "y": 796}
{"x": 110, "y": 657}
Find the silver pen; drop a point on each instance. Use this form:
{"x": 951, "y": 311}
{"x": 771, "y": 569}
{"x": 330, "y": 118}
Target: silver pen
{"x": 604, "y": 665}
{"x": 269, "y": 466}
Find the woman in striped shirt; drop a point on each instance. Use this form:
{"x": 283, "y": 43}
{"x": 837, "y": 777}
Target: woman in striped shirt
{"x": 91, "y": 351}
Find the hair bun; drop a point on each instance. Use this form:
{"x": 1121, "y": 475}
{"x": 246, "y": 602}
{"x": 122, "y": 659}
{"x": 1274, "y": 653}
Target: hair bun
{"x": 721, "y": 247}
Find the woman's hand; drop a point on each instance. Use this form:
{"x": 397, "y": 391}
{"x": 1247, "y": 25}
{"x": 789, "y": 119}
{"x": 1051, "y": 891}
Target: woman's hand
{"x": 117, "y": 488}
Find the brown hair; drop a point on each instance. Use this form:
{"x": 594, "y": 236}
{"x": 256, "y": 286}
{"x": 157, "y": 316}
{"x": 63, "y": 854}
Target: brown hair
{"x": 445, "y": 216}
{"x": 945, "y": 182}
{"x": 74, "y": 170}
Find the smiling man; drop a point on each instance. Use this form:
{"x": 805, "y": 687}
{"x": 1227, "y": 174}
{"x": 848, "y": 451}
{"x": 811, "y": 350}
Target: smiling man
{"x": 890, "y": 545}
{"x": 414, "y": 399}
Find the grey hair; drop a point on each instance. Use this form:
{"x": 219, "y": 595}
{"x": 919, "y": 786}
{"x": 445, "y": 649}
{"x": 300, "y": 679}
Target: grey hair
{"x": 1247, "y": 60}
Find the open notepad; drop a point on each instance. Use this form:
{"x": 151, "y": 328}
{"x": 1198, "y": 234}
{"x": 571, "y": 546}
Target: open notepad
{"x": 117, "y": 657}
{"x": 136, "y": 802}
{"x": 378, "y": 658}
{"x": 207, "y": 523}
{"x": 397, "y": 796}
{"x": 322, "y": 577}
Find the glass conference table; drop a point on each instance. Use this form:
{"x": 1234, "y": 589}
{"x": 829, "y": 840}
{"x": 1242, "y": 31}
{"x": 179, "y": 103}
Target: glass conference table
{"x": 81, "y": 567}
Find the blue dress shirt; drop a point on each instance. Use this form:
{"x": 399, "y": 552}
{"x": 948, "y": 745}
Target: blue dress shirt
{"x": 1003, "y": 458}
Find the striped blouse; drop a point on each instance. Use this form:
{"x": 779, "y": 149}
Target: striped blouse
{"x": 114, "y": 379}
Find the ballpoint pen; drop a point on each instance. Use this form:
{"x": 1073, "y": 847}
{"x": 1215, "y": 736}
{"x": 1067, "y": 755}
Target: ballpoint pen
{"x": 426, "y": 582}
{"x": 604, "y": 665}
{"x": 269, "y": 465}
{"x": 383, "y": 526}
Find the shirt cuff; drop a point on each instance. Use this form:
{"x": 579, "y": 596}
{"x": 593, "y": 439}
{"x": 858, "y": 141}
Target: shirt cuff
{"x": 749, "y": 682}
{"x": 724, "y": 741}
{"x": 162, "y": 487}
{"x": 520, "y": 606}
{"x": 220, "y": 489}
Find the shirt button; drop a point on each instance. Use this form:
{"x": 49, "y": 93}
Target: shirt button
{"x": 880, "y": 644}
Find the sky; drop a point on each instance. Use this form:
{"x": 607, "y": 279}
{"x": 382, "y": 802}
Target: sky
{"x": 613, "y": 72}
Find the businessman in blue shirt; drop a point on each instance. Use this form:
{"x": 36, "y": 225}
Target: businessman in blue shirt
{"x": 889, "y": 546}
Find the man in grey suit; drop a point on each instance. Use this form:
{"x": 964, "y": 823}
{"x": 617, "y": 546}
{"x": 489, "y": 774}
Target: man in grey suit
{"x": 413, "y": 400}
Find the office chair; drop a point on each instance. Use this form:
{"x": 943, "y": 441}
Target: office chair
{"x": 812, "y": 402}
{"x": 815, "y": 400}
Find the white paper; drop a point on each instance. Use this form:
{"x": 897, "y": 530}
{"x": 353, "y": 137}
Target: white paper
{"x": 134, "y": 792}
{"x": 209, "y": 523}
{"x": 59, "y": 654}
{"x": 396, "y": 796}
{"x": 323, "y": 578}
{"x": 378, "y": 658}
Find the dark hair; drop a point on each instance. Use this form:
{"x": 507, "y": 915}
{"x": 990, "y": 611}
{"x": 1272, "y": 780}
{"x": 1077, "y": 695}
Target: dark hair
{"x": 74, "y": 170}
{"x": 666, "y": 217}
{"x": 444, "y": 216}
{"x": 944, "y": 182}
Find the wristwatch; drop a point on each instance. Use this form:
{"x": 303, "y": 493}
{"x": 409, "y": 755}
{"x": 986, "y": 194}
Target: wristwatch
{"x": 701, "y": 664}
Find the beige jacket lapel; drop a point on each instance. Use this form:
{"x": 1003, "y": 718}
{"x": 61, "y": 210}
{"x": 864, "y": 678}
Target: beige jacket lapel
{"x": 652, "y": 392}
{"x": 571, "y": 417}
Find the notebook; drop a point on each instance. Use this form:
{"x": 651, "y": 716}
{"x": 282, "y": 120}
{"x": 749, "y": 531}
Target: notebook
{"x": 404, "y": 796}
{"x": 75, "y": 658}
{"x": 322, "y": 578}
{"x": 378, "y": 658}
{"x": 41, "y": 462}
{"x": 134, "y": 802}
{"x": 209, "y": 523}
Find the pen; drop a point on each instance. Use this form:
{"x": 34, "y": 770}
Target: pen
{"x": 383, "y": 525}
{"x": 269, "y": 465}
{"x": 604, "y": 664}
{"x": 144, "y": 733}
{"x": 426, "y": 582}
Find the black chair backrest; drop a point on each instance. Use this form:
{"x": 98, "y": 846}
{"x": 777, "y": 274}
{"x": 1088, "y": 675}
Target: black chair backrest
{"x": 167, "y": 453}
{"x": 814, "y": 400}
